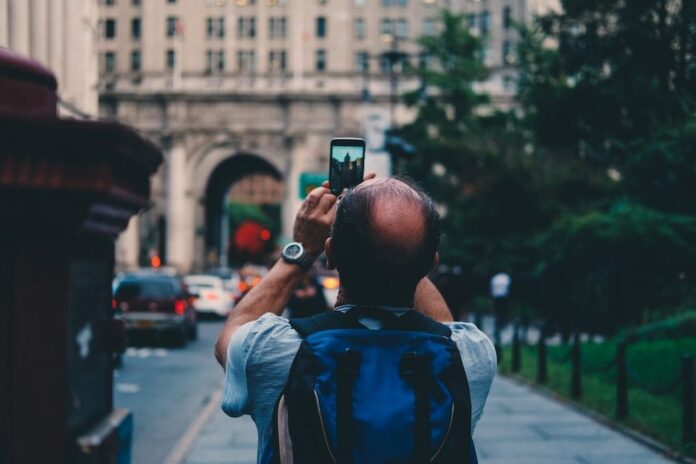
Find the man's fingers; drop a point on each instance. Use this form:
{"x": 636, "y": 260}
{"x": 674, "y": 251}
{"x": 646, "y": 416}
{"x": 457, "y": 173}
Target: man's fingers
{"x": 326, "y": 203}
{"x": 314, "y": 196}
{"x": 325, "y": 184}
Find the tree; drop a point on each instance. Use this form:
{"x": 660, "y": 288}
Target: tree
{"x": 466, "y": 157}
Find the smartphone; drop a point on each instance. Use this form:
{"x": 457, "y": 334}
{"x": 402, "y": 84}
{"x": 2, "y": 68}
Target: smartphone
{"x": 346, "y": 163}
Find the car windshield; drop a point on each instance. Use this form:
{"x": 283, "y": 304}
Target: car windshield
{"x": 150, "y": 288}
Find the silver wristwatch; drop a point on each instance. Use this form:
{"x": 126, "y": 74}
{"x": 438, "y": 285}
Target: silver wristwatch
{"x": 294, "y": 253}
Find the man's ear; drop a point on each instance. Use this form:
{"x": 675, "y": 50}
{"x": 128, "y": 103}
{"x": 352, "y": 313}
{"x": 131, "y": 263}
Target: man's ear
{"x": 328, "y": 249}
{"x": 436, "y": 262}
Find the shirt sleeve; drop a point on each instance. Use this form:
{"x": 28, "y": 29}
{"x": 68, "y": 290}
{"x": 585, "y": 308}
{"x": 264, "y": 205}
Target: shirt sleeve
{"x": 259, "y": 357}
{"x": 480, "y": 363}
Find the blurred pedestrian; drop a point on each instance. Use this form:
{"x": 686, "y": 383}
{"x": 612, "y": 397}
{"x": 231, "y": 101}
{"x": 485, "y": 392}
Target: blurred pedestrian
{"x": 423, "y": 379}
{"x": 500, "y": 290}
{"x": 308, "y": 298}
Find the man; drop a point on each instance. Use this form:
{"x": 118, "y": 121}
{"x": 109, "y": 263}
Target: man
{"x": 383, "y": 243}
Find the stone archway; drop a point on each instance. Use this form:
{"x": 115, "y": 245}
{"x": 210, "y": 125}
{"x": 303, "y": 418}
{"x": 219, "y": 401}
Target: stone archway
{"x": 225, "y": 174}
{"x": 212, "y": 173}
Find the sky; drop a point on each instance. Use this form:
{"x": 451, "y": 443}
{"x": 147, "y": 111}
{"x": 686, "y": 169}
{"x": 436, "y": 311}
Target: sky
{"x": 339, "y": 153}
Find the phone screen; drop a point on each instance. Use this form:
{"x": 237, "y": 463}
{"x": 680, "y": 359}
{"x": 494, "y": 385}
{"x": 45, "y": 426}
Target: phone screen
{"x": 347, "y": 164}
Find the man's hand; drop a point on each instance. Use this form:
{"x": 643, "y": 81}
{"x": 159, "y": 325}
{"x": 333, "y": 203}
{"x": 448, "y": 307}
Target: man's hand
{"x": 314, "y": 220}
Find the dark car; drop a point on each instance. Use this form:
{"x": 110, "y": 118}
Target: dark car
{"x": 155, "y": 303}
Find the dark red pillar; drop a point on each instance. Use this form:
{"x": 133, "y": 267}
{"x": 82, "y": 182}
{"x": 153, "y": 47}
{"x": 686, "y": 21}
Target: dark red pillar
{"x": 67, "y": 189}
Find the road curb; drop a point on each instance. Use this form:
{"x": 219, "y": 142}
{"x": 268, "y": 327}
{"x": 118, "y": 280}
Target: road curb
{"x": 604, "y": 420}
{"x": 185, "y": 443}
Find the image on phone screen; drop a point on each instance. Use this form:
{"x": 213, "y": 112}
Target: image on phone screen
{"x": 347, "y": 164}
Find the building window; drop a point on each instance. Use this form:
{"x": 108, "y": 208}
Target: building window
{"x": 135, "y": 28}
{"x": 508, "y": 53}
{"x": 110, "y": 62}
{"x": 246, "y": 27}
{"x": 401, "y": 28}
{"x": 507, "y": 17}
{"x": 429, "y": 25}
{"x": 109, "y": 2}
{"x": 362, "y": 61}
{"x": 471, "y": 21}
{"x": 110, "y": 28}
{"x": 385, "y": 63}
{"x": 171, "y": 59}
{"x": 359, "y": 28}
{"x": 320, "y": 61}
{"x": 171, "y": 2}
{"x": 385, "y": 26}
{"x": 246, "y": 61}
{"x": 509, "y": 83}
{"x": 388, "y": 3}
{"x": 321, "y": 27}
{"x": 277, "y": 60}
{"x": 135, "y": 61}
{"x": 135, "y": 2}
{"x": 277, "y": 27}
{"x": 215, "y": 61}
{"x": 485, "y": 22}
{"x": 171, "y": 26}
{"x": 215, "y": 27}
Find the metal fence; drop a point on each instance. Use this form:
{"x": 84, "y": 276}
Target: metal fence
{"x": 625, "y": 377}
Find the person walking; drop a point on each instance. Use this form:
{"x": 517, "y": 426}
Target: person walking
{"x": 387, "y": 375}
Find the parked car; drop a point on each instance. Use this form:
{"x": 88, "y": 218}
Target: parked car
{"x": 212, "y": 298}
{"x": 157, "y": 304}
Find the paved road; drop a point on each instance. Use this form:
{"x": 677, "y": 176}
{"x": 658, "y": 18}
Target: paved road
{"x": 519, "y": 426}
{"x": 166, "y": 388}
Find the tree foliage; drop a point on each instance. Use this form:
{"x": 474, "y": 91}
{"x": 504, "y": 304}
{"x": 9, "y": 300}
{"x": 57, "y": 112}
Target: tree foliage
{"x": 588, "y": 184}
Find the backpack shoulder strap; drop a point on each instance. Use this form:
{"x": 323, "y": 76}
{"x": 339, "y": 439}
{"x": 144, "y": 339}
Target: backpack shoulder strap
{"x": 328, "y": 320}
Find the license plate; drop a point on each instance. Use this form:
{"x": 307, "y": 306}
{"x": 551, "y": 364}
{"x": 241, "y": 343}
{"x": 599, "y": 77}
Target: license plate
{"x": 144, "y": 324}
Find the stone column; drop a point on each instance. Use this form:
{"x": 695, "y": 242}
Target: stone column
{"x": 128, "y": 246}
{"x": 180, "y": 220}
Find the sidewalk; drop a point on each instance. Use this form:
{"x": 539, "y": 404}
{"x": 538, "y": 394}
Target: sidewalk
{"x": 518, "y": 426}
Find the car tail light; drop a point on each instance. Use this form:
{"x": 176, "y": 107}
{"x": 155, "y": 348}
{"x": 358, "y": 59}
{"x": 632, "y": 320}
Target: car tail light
{"x": 243, "y": 287}
{"x": 180, "y": 306}
{"x": 114, "y": 305}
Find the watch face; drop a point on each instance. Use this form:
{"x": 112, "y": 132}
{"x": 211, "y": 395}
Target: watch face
{"x": 293, "y": 251}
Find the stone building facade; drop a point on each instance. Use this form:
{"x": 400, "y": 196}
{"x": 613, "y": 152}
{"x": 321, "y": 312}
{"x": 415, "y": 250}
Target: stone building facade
{"x": 61, "y": 35}
{"x": 232, "y": 88}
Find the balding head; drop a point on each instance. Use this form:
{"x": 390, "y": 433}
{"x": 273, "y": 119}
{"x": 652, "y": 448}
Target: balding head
{"x": 384, "y": 241}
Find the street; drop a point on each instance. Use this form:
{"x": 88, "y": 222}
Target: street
{"x": 166, "y": 388}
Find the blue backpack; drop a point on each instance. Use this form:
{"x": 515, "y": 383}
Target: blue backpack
{"x": 394, "y": 395}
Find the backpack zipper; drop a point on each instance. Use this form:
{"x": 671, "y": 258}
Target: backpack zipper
{"x": 323, "y": 429}
{"x": 444, "y": 441}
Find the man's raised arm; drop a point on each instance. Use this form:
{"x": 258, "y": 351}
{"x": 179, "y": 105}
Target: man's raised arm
{"x": 429, "y": 301}
{"x": 311, "y": 229}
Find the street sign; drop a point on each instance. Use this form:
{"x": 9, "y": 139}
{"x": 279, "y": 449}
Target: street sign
{"x": 309, "y": 181}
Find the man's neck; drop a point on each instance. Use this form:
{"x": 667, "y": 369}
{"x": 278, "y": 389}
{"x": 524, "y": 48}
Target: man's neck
{"x": 344, "y": 298}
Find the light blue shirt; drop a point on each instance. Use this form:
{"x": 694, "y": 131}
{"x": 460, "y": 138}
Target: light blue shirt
{"x": 261, "y": 352}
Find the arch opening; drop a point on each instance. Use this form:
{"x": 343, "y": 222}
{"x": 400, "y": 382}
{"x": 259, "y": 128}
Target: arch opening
{"x": 243, "y": 189}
